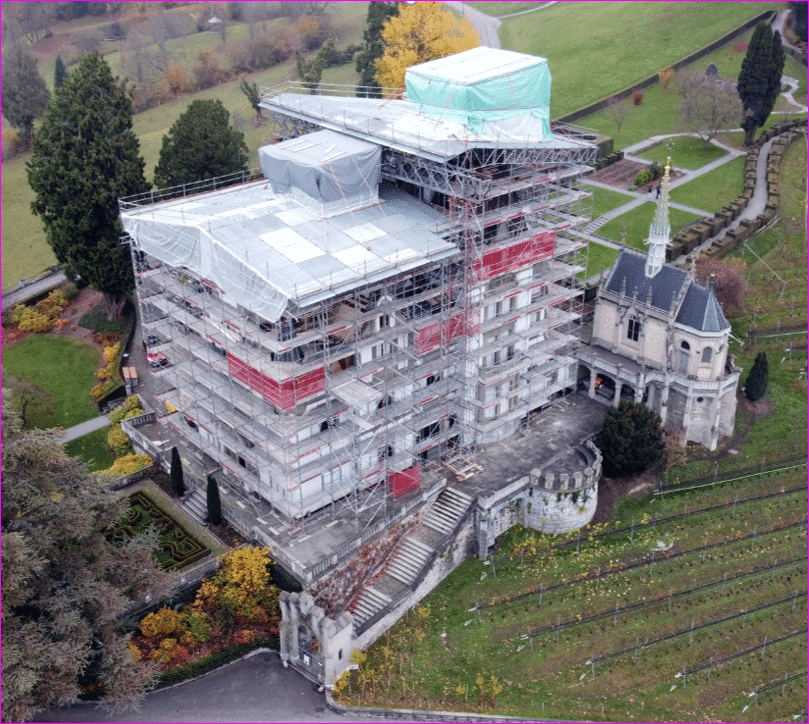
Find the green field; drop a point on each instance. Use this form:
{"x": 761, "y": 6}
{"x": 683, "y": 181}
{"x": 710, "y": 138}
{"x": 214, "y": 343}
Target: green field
{"x": 599, "y": 628}
{"x": 685, "y": 152}
{"x": 636, "y": 224}
{"x": 715, "y": 189}
{"x": 658, "y": 113}
{"x": 605, "y": 200}
{"x": 64, "y": 368}
{"x": 595, "y": 49}
{"x": 92, "y": 449}
{"x": 599, "y": 258}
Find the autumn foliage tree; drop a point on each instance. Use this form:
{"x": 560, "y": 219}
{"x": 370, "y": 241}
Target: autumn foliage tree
{"x": 66, "y": 583}
{"x": 419, "y": 33}
{"x": 729, "y": 283}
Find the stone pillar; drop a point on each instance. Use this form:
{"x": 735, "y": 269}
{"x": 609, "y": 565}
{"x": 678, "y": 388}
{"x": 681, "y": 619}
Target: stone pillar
{"x": 591, "y": 392}
{"x": 617, "y": 397}
{"x": 664, "y": 400}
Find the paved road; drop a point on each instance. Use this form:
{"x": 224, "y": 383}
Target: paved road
{"x": 257, "y": 689}
{"x": 15, "y": 296}
{"x": 486, "y": 25}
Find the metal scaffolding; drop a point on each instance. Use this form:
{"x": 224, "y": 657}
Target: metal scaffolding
{"x": 355, "y": 393}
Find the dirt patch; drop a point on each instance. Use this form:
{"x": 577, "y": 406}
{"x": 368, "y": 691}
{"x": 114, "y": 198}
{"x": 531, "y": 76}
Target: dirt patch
{"x": 610, "y": 490}
{"x": 82, "y": 303}
{"x": 621, "y": 174}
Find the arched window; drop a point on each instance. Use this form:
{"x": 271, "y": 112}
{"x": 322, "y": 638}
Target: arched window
{"x": 707, "y": 355}
{"x": 685, "y": 349}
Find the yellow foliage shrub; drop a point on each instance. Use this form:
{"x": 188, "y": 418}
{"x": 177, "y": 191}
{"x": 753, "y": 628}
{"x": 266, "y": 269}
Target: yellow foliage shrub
{"x": 162, "y": 623}
{"x": 33, "y": 321}
{"x": 127, "y": 464}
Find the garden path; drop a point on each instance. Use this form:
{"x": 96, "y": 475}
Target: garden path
{"x": 83, "y": 428}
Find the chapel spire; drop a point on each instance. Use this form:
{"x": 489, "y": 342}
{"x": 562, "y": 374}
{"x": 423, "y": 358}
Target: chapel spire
{"x": 659, "y": 230}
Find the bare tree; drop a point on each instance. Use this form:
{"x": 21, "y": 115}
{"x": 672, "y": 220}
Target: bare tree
{"x": 707, "y": 105}
{"x": 728, "y": 279}
{"x": 617, "y": 110}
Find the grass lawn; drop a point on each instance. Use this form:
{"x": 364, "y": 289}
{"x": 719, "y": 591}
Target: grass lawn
{"x": 715, "y": 189}
{"x": 595, "y": 49}
{"x": 637, "y": 221}
{"x": 499, "y": 9}
{"x": 599, "y": 258}
{"x": 25, "y": 251}
{"x": 658, "y": 113}
{"x": 65, "y": 368}
{"x": 605, "y": 200}
{"x": 684, "y": 151}
{"x": 92, "y": 448}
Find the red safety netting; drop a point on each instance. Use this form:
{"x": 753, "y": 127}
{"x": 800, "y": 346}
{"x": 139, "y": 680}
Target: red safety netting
{"x": 505, "y": 259}
{"x": 281, "y": 394}
{"x": 442, "y": 333}
{"x": 404, "y": 482}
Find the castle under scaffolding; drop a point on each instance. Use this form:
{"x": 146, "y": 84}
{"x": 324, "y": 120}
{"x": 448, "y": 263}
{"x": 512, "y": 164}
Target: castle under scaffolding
{"x": 396, "y": 291}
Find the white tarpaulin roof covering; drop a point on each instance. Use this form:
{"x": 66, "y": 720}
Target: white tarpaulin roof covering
{"x": 263, "y": 250}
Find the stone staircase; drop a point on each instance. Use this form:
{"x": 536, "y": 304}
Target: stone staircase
{"x": 196, "y": 505}
{"x": 370, "y": 602}
{"x": 409, "y": 560}
{"x": 447, "y": 510}
{"x": 412, "y": 555}
{"x": 595, "y": 224}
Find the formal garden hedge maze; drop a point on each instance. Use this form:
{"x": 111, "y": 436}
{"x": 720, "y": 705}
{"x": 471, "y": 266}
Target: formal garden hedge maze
{"x": 177, "y": 548}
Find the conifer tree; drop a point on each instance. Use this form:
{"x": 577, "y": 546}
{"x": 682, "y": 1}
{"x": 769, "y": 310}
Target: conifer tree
{"x": 176, "y": 474}
{"x": 85, "y": 157}
{"x": 760, "y": 78}
{"x": 59, "y": 73}
{"x": 214, "y": 502}
{"x": 631, "y": 440}
{"x": 373, "y": 47}
{"x": 200, "y": 145}
{"x": 25, "y": 95}
{"x": 755, "y": 387}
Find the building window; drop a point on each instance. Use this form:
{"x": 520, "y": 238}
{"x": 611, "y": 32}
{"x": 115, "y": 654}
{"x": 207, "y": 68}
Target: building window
{"x": 633, "y": 329}
{"x": 685, "y": 350}
{"x": 707, "y": 355}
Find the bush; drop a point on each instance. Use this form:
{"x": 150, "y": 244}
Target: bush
{"x": 127, "y": 464}
{"x": 311, "y": 30}
{"x": 118, "y": 442}
{"x": 637, "y": 97}
{"x": 12, "y": 143}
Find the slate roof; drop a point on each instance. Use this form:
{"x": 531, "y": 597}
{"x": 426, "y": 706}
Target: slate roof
{"x": 700, "y": 310}
{"x": 698, "y": 306}
{"x": 628, "y": 274}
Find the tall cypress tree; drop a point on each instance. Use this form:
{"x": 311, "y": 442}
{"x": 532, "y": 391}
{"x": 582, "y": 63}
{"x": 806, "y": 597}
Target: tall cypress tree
{"x": 631, "y": 439}
{"x": 176, "y": 474}
{"x": 755, "y": 387}
{"x": 25, "y": 95}
{"x": 373, "y": 47}
{"x": 85, "y": 157}
{"x": 59, "y": 73}
{"x": 760, "y": 78}
{"x": 214, "y": 502}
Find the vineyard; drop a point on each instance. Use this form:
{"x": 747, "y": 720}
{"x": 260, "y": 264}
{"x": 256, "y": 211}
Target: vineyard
{"x": 693, "y": 609}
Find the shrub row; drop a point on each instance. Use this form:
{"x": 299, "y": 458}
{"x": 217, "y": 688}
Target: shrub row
{"x": 686, "y": 240}
{"x": 213, "y": 661}
{"x": 614, "y": 157}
